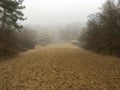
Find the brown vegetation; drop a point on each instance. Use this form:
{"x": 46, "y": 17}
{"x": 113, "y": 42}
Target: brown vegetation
{"x": 102, "y": 33}
{"x": 13, "y": 42}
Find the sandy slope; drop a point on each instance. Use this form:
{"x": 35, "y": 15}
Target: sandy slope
{"x": 60, "y": 67}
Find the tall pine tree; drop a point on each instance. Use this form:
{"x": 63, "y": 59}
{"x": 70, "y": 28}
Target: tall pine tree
{"x": 10, "y": 14}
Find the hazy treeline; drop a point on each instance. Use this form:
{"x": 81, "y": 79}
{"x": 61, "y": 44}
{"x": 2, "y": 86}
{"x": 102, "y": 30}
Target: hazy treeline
{"x": 14, "y": 42}
{"x": 70, "y": 32}
{"x": 43, "y": 36}
{"x": 102, "y": 33}
{"x": 13, "y": 37}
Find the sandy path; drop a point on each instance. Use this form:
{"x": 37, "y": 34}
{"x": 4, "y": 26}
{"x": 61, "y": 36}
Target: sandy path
{"x": 60, "y": 67}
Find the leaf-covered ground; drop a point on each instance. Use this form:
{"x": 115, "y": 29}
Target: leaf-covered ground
{"x": 60, "y": 67}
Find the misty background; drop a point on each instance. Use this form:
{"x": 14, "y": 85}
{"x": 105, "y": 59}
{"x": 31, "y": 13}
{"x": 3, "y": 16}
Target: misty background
{"x": 59, "y": 12}
{"x": 90, "y": 24}
{"x": 62, "y": 20}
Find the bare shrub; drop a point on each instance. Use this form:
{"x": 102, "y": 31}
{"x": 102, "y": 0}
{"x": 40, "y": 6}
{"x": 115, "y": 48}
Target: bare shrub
{"x": 102, "y": 33}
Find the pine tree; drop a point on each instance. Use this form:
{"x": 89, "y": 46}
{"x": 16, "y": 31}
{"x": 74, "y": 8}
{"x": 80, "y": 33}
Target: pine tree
{"x": 10, "y": 14}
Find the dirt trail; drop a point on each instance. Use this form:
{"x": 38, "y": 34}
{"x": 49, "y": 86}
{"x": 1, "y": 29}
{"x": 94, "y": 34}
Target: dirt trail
{"x": 60, "y": 67}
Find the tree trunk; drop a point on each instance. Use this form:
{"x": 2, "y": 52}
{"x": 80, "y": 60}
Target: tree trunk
{"x": 3, "y": 23}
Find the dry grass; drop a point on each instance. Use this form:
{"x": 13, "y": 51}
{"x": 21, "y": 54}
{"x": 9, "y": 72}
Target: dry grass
{"x": 60, "y": 67}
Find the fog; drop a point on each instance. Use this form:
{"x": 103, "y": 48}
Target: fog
{"x": 61, "y": 20}
{"x": 59, "y": 12}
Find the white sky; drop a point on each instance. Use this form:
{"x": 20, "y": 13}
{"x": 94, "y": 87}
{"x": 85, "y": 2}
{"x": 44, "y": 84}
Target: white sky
{"x": 59, "y": 12}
